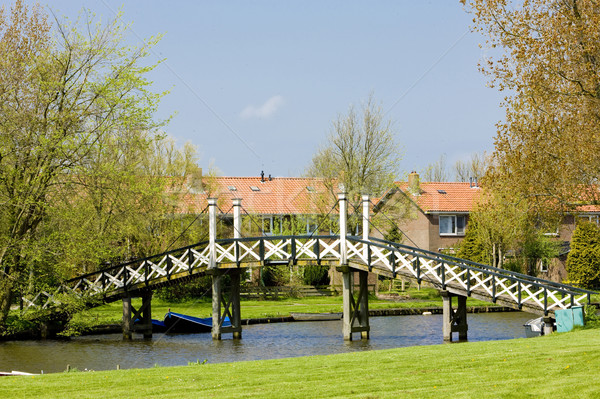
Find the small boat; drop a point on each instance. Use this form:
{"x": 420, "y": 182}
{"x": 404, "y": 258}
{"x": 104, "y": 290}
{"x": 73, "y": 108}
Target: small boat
{"x": 181, "y": 323}
{"x": 316, "y": 316}
{"x": 6, "y": 373}
{"x": 534, "y": 327}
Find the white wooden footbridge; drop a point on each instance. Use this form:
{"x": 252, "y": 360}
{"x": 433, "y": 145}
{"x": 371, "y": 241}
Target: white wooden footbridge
{"x": 353, "y": 256}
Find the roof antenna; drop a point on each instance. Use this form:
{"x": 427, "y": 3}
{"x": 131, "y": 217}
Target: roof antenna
{"x": 270, "y": 178}
{"x": 262, "y": 176}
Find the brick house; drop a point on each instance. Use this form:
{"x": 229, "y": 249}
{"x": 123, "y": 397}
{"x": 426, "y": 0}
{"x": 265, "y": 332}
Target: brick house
{"x": 435, "y": 216}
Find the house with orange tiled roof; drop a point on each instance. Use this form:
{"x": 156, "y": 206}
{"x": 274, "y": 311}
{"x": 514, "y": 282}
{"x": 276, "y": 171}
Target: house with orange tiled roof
{"x": 435, "y": 216}
{"x": 266, "y": 201}
{"x": 432, "y": 215}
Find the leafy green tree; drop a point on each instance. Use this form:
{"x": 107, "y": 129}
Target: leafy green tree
{"x": 70, "y": 104}
{"x": 546, "y": 55}
{"x": 471, "y": 247}
{"x": 583, "y": 261}
{"x": 393, "y": 234}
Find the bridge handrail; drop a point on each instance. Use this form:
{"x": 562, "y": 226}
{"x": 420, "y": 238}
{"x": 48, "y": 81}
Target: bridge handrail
{"x": 291, "y": 248}
{"x": 135, "y": 261}
{"x": 196, "y": 245}
{"x": 497, "y": 270}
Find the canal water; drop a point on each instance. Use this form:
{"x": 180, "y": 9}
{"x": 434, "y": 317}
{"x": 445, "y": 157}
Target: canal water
{"x": 260, "y": 341}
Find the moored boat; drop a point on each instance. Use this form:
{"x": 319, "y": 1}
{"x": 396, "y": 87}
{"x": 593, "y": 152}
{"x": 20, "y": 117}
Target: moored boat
{"x": 6, "y": 373}
{"x": 534, "y": 327}
{"x": 181, "y": 323}
{"x": 316, "y": 316}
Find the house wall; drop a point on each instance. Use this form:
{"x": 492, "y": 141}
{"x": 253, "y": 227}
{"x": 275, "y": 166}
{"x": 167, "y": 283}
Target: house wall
{"x": 557, "y": 269}
{"x": 436, "y": 241}
{"x": 416, "y": 231}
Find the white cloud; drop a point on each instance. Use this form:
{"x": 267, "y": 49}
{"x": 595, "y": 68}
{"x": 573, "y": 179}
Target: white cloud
{"x": 264, "y": 111}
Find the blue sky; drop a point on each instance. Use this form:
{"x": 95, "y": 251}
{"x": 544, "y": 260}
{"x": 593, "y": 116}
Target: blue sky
{"x": 256, "y": 84}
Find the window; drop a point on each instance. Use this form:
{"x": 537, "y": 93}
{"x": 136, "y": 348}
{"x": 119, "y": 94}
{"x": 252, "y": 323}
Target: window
{"x": 267, "y": 225}
{"x": 232, "y": 188}
{"x": 543, "y": 265}
{"x": 452, "y": 225}
{"x": 254, "y": 188}
{"x": 588, "y": 218}
{"x": 311, "y": 224}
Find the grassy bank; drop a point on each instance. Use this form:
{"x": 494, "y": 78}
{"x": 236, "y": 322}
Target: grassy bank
{"x": 560, "y": 365}
{"x": 250, "y": 309}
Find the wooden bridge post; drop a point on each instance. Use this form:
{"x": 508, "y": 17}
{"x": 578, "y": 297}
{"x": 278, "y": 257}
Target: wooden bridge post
{"x": 343, "y": 226}
{"x": 356, "y": 311}
{"x": 212, "y": 232}
{"x": 454, "y": 320}
{"x": 347, "y": 302}
{"x": 146, "y": 310}
{"x": 363, "y": 306}
{"x": 127, "y": 321}
{"x": 216, "y": 304}
{"x": 365, "y": 227}
{"x": 226, "y": 305}
{"x": 144, "y": 314}
{"x": 236, "y": 318}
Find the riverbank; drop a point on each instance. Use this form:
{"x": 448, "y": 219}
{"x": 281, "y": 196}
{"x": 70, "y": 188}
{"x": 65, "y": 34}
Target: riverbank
{"x": 559, "y": 365}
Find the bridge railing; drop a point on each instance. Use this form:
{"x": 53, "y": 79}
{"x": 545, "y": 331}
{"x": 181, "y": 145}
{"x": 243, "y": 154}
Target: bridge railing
{"x": 443, "y": 271}
{"x": 122, "y": 277}
{"x": 114, "y": 280}
{"x": 524, "y": 277}
{"x": 447, "y": 271}
{"x": 290, "y": 248}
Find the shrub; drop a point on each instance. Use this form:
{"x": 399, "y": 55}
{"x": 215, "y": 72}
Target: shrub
{"x": 316, "y": 275}
{"x": 583, "y": 261}
{"x": 196, "y": 288}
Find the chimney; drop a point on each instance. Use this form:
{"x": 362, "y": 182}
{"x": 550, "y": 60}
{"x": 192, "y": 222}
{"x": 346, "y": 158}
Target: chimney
{"x": 413, "y": 183}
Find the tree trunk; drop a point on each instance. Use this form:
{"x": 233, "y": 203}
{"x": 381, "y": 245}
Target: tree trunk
{"x": 5, "y": 299}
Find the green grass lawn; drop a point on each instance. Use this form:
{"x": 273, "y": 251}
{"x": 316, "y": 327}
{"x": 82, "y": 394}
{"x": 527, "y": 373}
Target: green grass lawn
{"x": 112, "y": 313}
{"x": 556, "y": 366}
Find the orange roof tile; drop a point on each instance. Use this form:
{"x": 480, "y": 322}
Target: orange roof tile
{"x": 443, "y": 196}
{"x": 280, "y": 195}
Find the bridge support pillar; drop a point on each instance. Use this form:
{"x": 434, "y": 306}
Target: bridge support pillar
{"x": 226, "y": 303}
{"x": 454, "y": 320}
{"x": 143, "y": 314}
{"x": 356, "y": 310}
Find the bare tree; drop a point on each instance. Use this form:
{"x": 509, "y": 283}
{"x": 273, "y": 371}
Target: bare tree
{"x": 436, "y": 171}
{"x": 474, "y": 168}
{"x": 361, "y": 155}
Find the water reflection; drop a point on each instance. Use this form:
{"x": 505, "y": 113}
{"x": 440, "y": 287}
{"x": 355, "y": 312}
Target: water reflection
{"x": 262, "y": 341}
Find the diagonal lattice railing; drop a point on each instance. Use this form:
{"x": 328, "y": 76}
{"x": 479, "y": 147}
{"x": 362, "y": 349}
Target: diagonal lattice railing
{"x": 379, "y": 256}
